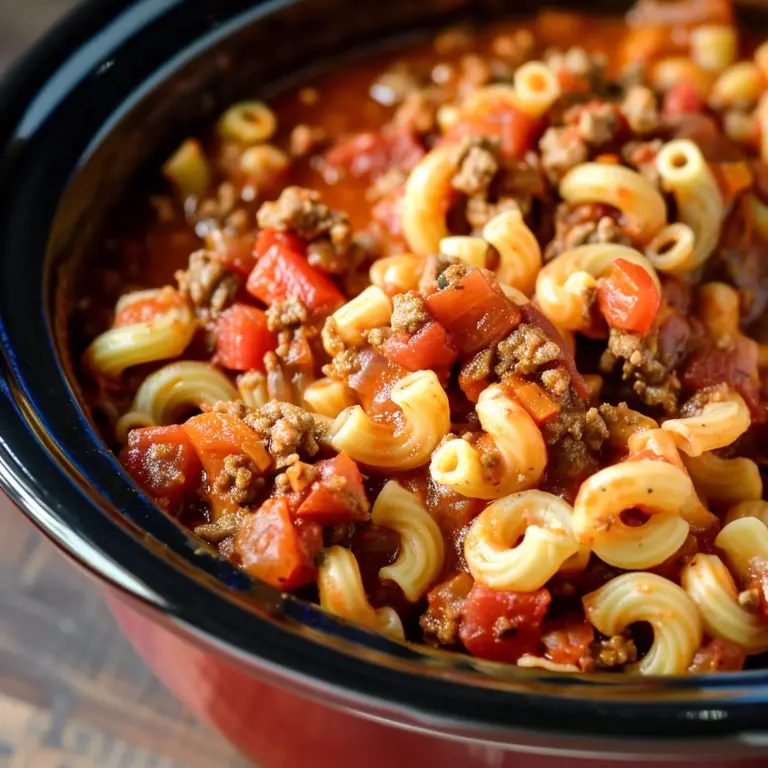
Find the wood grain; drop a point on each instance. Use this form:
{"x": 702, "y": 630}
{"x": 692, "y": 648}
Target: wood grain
{"x": 72, "y": 692}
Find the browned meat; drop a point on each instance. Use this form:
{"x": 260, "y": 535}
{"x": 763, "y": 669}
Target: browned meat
{"x": 641, "y": 109}
{"x": 306, "y": 139}
{"x": 477, "y": 165}
{"x": 409, "y": 312}
{"x": 286, "y": 314}
{"x": 440, "y": 623}
{"x": 614, "y": 652}
{"x": 598, "y": 122}
{"x": 238, "y": 480}
{"x": 208, "y": 282}
{"x": 577, "y": 225}
{"x": 562, "y": 148}
{"x": 288, "y": 431}
{"x": 654, "y": 382}
{"x": 641, "y": 155}
{"x": 524, "y": 351}
{"x": 300, "y": 210}
{"x": 556, "y": 380}
{"x": 232, "y": 408}
{"x": 590, "y": 66}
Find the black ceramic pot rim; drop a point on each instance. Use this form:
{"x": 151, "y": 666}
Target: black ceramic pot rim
{"x": 56, "y": 469}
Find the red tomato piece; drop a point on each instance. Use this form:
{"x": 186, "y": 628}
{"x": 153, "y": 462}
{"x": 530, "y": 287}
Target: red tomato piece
{"x": 502, "y": 626}
{"x": 374, "y": 379}
{"x": 628, "y": 297}
{"x": 512, "y": 127}
{"x": 284, "y": 272}
{"x": 445, "y": 605}
{"x": 243, "y": 338}
{"x": 532, "y": 397}
{"x": 567, "y": 639}
{"x": 235, "y": 252}
{"x": 273, "y": 549}
{"x": 476, "y": 313}
{"x": 163, "y": 462}
{"x": 430, "y": 347}
{"x": 371, "y": 154}
{"x": 533, "y": 316}
{"x": 472, "y": 380}
{"x": 215, "y": 436}
{"x": 337, "y": 496}
{"x": 681, "y": 99}
{"x": 718, "y": 656}
{"x": 270, "y": 237}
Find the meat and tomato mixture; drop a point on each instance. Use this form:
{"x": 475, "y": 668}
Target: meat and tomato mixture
{"x": 264, "y": 229}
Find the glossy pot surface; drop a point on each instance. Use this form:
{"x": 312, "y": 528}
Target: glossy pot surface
{"x": 101, "y": 99}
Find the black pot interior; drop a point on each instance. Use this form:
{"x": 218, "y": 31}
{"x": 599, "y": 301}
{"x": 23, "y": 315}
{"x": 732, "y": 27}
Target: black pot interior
{"x": 123, "y": 94}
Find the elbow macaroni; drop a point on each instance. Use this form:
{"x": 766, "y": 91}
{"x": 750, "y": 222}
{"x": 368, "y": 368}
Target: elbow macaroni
{"x": 544, "y": 522}
{"x": 714, "y": 46}
{"x": 660, "y": 489}
{"x": 672, "y": 250}
{"x": 164, "y": 337}
{"x": 521, "y": 450}
{"x": 397, "y": 274}
{"x": 519, "y": 251}
{"x": 175, "y": 388}
{"x": 684, "y": 172}
{"x": 426, "y": 420}
{"x": 710, "y": 585}
{"x": 537, "y": 88}
{"x": 756, "y": 508}
{"x": 329, "y": 397}
{"x": 719, "y": 424}
{"x": 566, "y": 286}
{"x": 725, "y": 481}
{"x": 341, "y": 593}
{"x": 633, "y": 597}
{"x": 745, "y": 544}
{"x": 421, "y": 554}
{"x": 371, "y": 309}
{"x": 625, "y": 189}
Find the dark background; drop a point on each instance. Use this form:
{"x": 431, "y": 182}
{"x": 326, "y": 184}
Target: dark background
{"x": 72, "y": 692}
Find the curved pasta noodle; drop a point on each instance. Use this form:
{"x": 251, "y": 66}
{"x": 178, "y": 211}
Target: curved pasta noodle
{"x": 341, "y": 591}
{"x": 745, "y": 544}
{"x": 426, "y": 420}
{"x": 714, "y": 46}
{"x": 684, "y": 172}
{"x": 519, "y": 251}
{"x": 719, "y": 424}
{"x": 164, "y": 337}
{"x": 741, "y": 83}
{"x": 175, "y": 388}
{"x": 397, "y": 274}
{"x": 662, "y": 444}
{"x": 421, "y": 553}
{"x": 672, "y": 250}
{"x": 472, "y": 251}
{"x": 756, "y": 508}
{"x": 425, "y": 202}
{"x": 544, "y": 522}
{"x": 634, "y": 597}
{"x": 249, "y": 122}
{"x": 625, "y": 189}
{"x": 521, "y": 449}
{"x": 659, "y": 488}
{"x": 623, "y": 424}
{"x": 370, "y": 309}
{"x": 718, "y": 308}
{"x": 724, "y": 481}
{"x": 566, "y": 285}
{"x": 329, "y": 397}
{"x": 710, "y": 585}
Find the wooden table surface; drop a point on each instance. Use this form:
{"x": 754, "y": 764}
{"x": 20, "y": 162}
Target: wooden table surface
{"x": 72, "y": 692}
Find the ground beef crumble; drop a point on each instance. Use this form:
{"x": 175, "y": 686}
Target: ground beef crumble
{"x": 329, "y": 232}
{"x": 524, "y": 351}
{"x": 577, "y": 225}
{"x": 641, "y": 155}
{"x": 562, "y": 148}
{"x": 598, "y": 123}
{"x": 208, "y": 282}
{"x": 640, "y": 109}
{"x": 655, "y": 383}
{"x": 287, "y": 431}
{"x": 238, "y": 480}
{"x": 614, "y": 651}
{"x": 477, "y": 164}
{"x": 231, "y": 408}
{"x": 409, "y": 312}
{"x": 287, "y": 314}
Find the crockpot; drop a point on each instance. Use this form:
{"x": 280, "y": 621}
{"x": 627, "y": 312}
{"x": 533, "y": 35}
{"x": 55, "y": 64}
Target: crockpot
{"x": 101, "y": 99}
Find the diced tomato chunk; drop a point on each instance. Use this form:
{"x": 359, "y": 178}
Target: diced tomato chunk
{"x": 445, "y": 605}
{"x": 567, "y": 639}
{"x": 235, "y": 252}
{"x": 273, "y": 549}
{"x": 337, "y": 496}
{"x": 502, "y": 626}
{"x": 283, "y": 272}
{"x": 163, "y": 462}
{"x": 515, "y": 129}
{"x": 373, "y": 380}
{"x": 718, "y": 656}
{"x": 534, "y": 316}
{"x": 628, "y": 297}
{"x": 430, "y": 347}
{"x": 476, "y": 313}
{"x": 532, "y": 397}
{"x": 215, "y": 437}
{"x": 270, "y": 237}
{"x": 243, "y": 338}
{"x": 681, "y": 99}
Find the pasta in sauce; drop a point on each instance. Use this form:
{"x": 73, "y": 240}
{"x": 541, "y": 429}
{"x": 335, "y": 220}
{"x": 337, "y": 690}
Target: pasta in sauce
{"x": 466, "y": 346}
